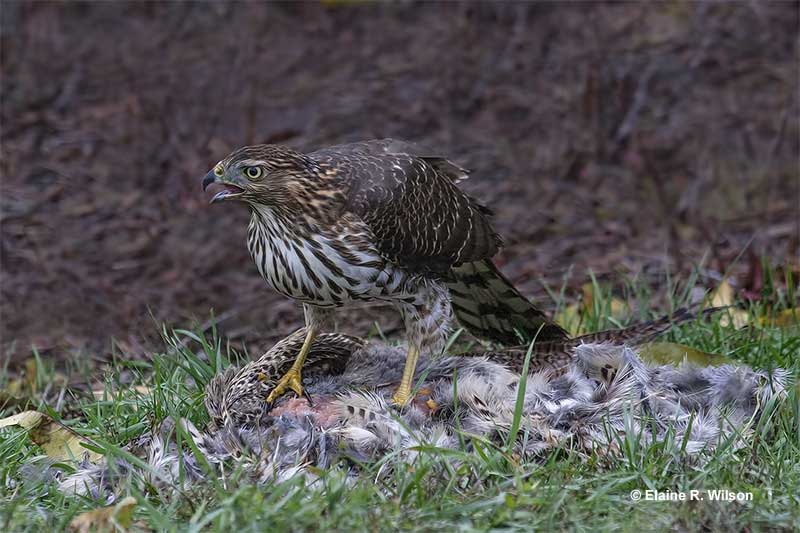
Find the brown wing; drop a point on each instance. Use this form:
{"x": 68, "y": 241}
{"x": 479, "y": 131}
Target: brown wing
{"x": 420, "y": 218}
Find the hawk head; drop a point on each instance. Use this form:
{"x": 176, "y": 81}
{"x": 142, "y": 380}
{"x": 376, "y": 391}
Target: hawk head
{"x": 259, "y": 174}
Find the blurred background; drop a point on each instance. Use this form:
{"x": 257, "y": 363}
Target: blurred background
{"x": 625, "y": 139}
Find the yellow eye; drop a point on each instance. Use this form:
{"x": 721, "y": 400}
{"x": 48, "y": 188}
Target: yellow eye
{"x": 218, "y": 171}
{"x": 253, "y": 172}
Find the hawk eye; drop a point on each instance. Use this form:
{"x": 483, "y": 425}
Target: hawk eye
{"x": 253, "y": 172}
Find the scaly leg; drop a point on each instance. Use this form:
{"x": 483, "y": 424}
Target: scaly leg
{"x": 293, "y": 379}
{"x": 403, "y": 393}
{"x": 427, "y": 323}
{"x": 317, "y": 319}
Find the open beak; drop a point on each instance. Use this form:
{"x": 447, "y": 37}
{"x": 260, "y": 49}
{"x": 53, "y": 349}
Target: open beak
{"x": 229, "y": 191}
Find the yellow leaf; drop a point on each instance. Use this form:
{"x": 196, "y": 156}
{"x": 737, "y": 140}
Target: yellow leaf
{"x": 619, "y": 309}
{"x": 34, "y": 375}
{"x": 56, "y": 440}
{"x": 735, "y": 317}
{"x": 27, "y": 420}
{"x": 8, "y": 399}
{"x": 588, "y": 295}
{"x": 569, "y": 318}
{"x": 723, "y": 296}
{"x": 117, "y": 517}
{"x": 666, "y": 353}
{"x": 784, "y": 319}
{"x": 16, "y": 387}
{"x": 31, "y": 370}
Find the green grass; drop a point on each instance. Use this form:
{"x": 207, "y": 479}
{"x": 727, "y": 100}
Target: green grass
{"x": 484, "y": 489}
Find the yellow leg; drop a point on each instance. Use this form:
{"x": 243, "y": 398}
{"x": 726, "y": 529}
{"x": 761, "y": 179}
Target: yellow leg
{"x": 403, "y": 393}
{"x": 292, "y": 379}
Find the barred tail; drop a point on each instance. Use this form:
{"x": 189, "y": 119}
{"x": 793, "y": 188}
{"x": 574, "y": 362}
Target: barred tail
{"x": 645, "y": 331}
{"x": 489, "y": 306}
{"x": 557, "y": 354}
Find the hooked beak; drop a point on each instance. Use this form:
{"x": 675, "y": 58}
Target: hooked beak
{"x": 230, "y": 190}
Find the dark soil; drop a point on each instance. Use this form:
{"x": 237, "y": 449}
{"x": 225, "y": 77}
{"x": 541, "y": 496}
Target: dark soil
{"x": 623, "y": 138}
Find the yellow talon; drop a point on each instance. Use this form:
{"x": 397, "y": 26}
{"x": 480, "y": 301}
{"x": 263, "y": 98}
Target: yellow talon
{"x": 403, "y": 393}
{"x": 401, "y": 397}
{"x": 291, "y": 380}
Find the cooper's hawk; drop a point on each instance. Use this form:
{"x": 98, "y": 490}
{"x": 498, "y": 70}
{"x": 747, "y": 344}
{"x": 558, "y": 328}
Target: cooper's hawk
{"x": 376, "y": 221}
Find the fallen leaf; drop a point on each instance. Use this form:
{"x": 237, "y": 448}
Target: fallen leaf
{"x": 33, "y": 375}
{"x": 588, "y": 295}
{"x": 16, "y": 387}
{"x": 56, "y": 440}
{"x": 723, "y": 296}
{"x": 10, "y": 400}
{"x": 618, "y": 308}
{"x": 117, "y": 517}
{"x": 31, "y": 371}
{"x": 27, "y": 420}
{"x": 670, "y": 353}
{"x": 735, "y": 317}
{"x": 784, "y": 319}
{"x": 569, "y": 318}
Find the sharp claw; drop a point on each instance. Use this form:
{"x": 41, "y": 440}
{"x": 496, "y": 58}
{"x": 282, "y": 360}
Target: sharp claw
{"x": 400, "y": 399}
{"x": 272, "y": 395}
{"x": 307, "y": 396}
{"x": 290, "y": 381}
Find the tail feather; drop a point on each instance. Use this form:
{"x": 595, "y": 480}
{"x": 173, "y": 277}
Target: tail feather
{"x": 556, "y": 354}
{"x": 490, "y": 307}
{"x": 644, "y": 331}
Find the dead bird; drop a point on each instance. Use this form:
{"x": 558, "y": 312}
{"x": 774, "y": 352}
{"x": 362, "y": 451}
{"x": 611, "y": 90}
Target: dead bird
{"x": 241, "y": 397}
{"x": 604, "y": 395}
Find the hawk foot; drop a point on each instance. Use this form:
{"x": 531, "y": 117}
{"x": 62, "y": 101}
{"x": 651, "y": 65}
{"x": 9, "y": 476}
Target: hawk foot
{"x": 401, "y": 397}
{"x": 290, "y": 381}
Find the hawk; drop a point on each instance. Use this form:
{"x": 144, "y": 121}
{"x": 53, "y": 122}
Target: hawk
{"x": 371, "y": 221}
